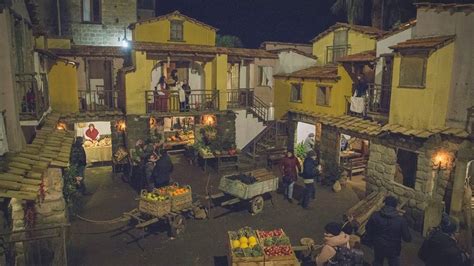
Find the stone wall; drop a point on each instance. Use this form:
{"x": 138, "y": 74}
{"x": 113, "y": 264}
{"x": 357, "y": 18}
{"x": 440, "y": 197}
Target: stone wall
{"x": 430, "y": 185}
{"x": 116, "y": 16}
{"x": 330, "y": 144}
{"x": 52, "y": 210}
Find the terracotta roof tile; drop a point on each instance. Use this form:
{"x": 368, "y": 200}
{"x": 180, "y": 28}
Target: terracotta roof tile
{"x": 366, "y": 56}
{"x": 174, "y": 13}
{"x": 398, "y": 29}
{"x": 89, "y": 50}
{"x": 25, "y": 169}
{"x": 441, "y": 6}
{"x": 372, "y": 31}
{"x": 316, "y": 72}
{"x": 424, "y": 133}
{"x": 201, "y": 49}
{"x": 434, "y": 42}
{"x": 262, "y": 45}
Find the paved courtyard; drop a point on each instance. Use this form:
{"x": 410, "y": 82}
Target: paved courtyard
{"x": 205, "y": 241}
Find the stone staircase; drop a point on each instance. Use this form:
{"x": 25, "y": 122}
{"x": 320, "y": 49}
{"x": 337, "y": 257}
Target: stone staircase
{"x": 272, "y": 140}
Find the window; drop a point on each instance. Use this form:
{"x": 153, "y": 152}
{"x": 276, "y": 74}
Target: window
{"x": 296, "y": 93}
{"x": 265, "y": 76}
{"x": 323, "y": 95}
{"x": 405, "y": 171}
{"x": 412, "y": 71}
{"x": 176, "y": 30}
{"x": 91, "y": 11}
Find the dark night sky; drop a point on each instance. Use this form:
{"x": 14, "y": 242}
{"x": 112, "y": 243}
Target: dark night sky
{"x": 255, "y": 21}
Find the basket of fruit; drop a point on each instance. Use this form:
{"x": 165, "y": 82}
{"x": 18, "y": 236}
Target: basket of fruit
{"x": 154, "y": 204}
{"x": 277, "y": 248}
{"x": 181, "y": 197}
{"x": 245, "y": 248}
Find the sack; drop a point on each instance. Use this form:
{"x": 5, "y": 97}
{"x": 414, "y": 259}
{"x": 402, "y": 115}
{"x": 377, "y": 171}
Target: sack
{"x": 347, "y": 257}
{"x": 337, "y": 186}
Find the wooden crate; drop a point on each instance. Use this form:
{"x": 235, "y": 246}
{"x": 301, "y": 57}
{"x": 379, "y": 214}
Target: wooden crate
{"x": 154, "y": 208}
{"x": 245, "y": 191}
{"x": 182, "y": 201}
{"x": 242, "y": 261}
{"x": 289, "y": 260}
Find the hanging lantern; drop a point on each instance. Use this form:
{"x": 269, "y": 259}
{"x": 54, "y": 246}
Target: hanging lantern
{"x": 440, "y": 160}
{"x": 61, "y": 126}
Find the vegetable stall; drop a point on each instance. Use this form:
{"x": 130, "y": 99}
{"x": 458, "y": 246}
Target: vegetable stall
{"x": 257, "y": 247}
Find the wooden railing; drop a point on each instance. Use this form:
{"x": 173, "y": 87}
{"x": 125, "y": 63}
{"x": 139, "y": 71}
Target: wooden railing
{"x": 246, "y": 99}
{"x": 169, "y": 102}
{"x": 98, "y": 99}
{"x": 378, "y": 98}
{"x": 334, "y": 52}
{"x": 34, "y": 100}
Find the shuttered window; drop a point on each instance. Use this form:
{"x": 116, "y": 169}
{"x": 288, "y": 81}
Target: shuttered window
{"x": 323, "y": 96}
{"x": 412, "y": 71}
{"x": 296, "y": 93}
{"x": 176, "y": 30}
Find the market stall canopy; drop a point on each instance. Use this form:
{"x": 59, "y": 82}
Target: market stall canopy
{"x": 316, "y": 72}
{"x": 425, "y": 133}
{"x": 51, "y": 148}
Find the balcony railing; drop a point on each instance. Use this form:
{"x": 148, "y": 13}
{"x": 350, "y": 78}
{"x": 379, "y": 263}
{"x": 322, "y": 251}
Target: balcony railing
{"x": 239, "y": 98}
{"x": 378, "y": 98}
{"x": 335, "y": 52}
{"x": 98, "y": 99}
{"x": 34, "y": 95}
{"x": 169, "y": 102}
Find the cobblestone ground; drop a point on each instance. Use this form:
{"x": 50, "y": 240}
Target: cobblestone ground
{"x": 205, "y": 241}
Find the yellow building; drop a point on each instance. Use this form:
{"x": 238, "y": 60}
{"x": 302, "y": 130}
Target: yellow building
{"x": 324, "y": 89}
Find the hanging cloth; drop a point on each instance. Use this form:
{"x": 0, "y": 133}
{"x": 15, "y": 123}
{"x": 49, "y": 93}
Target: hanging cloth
{"x": 357, "y": 104}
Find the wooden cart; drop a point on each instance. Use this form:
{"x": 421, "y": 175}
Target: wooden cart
{"x": 234, "y": 191}
{"x": 174, "y": 214}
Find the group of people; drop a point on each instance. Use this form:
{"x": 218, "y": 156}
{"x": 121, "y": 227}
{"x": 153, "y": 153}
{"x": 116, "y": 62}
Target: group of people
{"x": 152, "y": 166}
{"x": 291, "y": 168}
{"x": 385, "y": 231}
{"x": 164, "y": 88}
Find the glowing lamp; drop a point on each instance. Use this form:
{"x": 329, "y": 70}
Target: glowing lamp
{"x": 120, "y": 125}
{"x": 61, "y": 126}
{"x": 208, "y": 120}
{"x": 440, "y": 160}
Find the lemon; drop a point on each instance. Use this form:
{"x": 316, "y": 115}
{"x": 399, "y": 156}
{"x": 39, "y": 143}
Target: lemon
{"x": 244, "y": 245}
{"x": 252, "y": 244}
{"x": 244, "y": 240}
{"x": 252, "y": 239}
{"x": 235, "y": 244}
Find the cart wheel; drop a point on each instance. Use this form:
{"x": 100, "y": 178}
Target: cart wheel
{"x": 177, "y": 224}
{"x": 256, "y": 204}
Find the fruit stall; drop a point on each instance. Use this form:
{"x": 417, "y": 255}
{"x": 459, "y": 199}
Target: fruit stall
{"x": 263, "y": 248}
{"x": 250, "y": 187}
{"x": 171, "y": 204}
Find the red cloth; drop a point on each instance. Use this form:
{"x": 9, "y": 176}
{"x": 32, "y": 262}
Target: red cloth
{"x": 92, "y": 133}
{"x": 288, "y": 168}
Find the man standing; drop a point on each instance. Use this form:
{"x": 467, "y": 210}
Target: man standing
{"x": 78, "y": 161}
{"x": 385, "y": 230}
{"x": 162, "y": 171}
{"x": 288, "y": 168}
{"x": 309, "y": 174}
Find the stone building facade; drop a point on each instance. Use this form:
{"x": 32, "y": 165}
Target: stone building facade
{"x": 107, "y": 29}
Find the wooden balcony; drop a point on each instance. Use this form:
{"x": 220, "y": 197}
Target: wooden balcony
{"x": 99, "y": 99}
{"x": 34, "y": 95}
{"x": 377, "y": 103}
{"x": 169, "y": 102}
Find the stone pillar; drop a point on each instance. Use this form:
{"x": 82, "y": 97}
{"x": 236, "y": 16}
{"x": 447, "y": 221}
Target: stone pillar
{"x": 18, "y": 217}
{"x": 225, "y": 125}
{"x": 53, "y": 208}
{"x": 330, "y": 144}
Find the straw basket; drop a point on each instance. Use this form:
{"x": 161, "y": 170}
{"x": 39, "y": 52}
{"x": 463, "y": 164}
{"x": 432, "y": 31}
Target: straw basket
{"x": 152, "y": 207}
